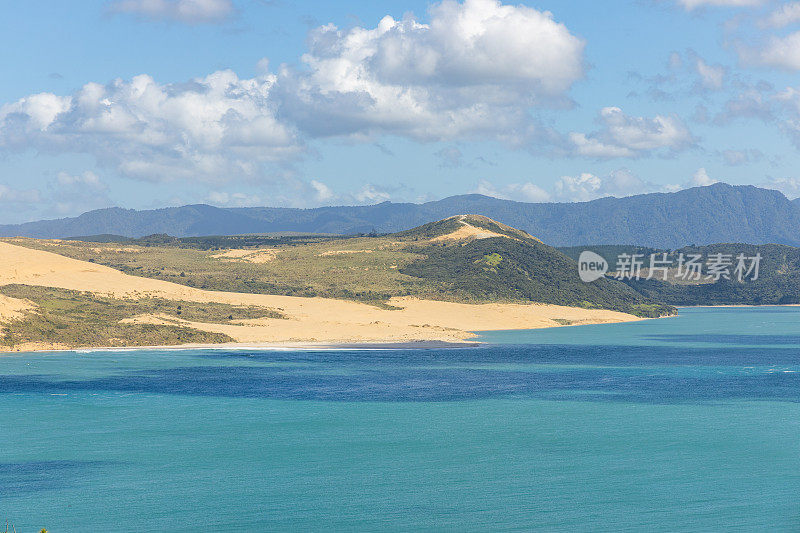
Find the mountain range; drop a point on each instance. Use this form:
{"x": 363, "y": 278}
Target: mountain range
{"x": 695, "y": 216}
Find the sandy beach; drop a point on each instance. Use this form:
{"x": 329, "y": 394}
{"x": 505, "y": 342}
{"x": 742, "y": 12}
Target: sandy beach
{"x": 309, "y": 321}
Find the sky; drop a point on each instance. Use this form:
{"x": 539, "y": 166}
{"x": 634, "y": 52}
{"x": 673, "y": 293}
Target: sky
{"x": 153, "y": 103}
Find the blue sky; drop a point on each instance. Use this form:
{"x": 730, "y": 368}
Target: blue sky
{"x": 150, "y": 103}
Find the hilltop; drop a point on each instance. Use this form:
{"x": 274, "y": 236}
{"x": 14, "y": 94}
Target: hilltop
{"x": 700, "y": 215}
{"x": 439, "y": 281}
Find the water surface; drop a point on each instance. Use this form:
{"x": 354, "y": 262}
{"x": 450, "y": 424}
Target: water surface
{"x": 687, "y": 423}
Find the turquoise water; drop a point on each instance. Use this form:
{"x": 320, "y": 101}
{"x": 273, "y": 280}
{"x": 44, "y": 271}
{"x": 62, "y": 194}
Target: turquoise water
{"x": 687, "y": 423}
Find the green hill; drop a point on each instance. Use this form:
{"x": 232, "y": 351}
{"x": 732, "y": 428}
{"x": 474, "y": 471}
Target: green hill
{"x": 515, "y": 266}
{"x": 465, "y": 258}
{"x": 778, "y": 280}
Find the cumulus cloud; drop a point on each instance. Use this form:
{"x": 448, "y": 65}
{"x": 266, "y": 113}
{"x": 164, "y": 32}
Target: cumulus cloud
{"x": 623, "y": 135}
{"x": 787, "y": 14}
{"x": 587, "y": 186}
{"x": 694, "y": 4}
{"x": 785, "y": 105}
{"x": 701, "y": 179}
{"x": 790, "y": 187}
{"x": 186, "y": 11}
{"x": 472, "y": 71}
{"x": 583, "y": 187}
{"x": 11, "y": 195}
{"x": 372, "y": 194}
{"x": 86, "y": 179}
{"x": 711, "y": 76}
{"x": 210, "y": 129}
{"x": 686, "y": 75}
{"x": 323, "y": 193}
{"x": 233, "y": 199}
{"x": 780, "y": 108}
{"x": 521, "y": 192}
{"x": 780, "y": 52}
{"x": 71, "y": 194}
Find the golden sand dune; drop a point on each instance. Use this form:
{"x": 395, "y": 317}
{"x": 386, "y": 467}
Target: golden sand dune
{"x": 11, "y": 308}
{"x": 470, "y": 232}
{"x": 309, "y": 319}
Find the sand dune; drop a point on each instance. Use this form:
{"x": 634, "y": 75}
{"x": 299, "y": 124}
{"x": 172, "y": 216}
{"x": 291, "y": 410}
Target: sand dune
{"x": 469, "y": 232}
{"x": 262, "y": 255}
{"x": 309, "y": 319}
{"x": 11, "y": 308}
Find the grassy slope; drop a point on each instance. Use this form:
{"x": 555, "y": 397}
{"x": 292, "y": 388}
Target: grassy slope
{"x": 372, "y": 269}
{"x": 77, "y": 319}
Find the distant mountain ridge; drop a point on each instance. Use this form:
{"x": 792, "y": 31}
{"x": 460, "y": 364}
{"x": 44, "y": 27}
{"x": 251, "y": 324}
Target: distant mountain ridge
{"x": 700, "y": 215}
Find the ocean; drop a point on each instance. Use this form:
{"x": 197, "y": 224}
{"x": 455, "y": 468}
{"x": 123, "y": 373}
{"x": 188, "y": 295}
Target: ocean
{"x": 689, "y": 423}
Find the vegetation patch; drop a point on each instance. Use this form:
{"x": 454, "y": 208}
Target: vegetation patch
{"x": 492, "y": 260}
{"x": 78, "y": 319}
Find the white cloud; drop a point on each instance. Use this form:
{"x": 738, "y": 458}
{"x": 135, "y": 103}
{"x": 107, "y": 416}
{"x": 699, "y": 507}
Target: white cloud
{"x": 578, "y": 188}
{"x": 788, "y": 186}
{"x": 520, "y": 192}
{"x": 530, "y": 192}
{"x": 591, "y": 147}
{"x": 781, "y": 52}
{"x": 694, "y": 4}
{"x": 88, "y": 179}
{"x": 371, "y": 194}
{"x": 472, "y": 71}
{"x": 701, "y": 179}
{"x": 786, "y": 15}
{"x": 711, "y": 76}
{"x": 788, "y": 111}
{"x": 71, "y": 194}
{"x": 12, "y": 195}
{"x": 628, "y": 136}
{"x": 210, "y": 129}
{"x": 583, "y": 187}
{"x": 586, "y": 186}
{"x": 323, "y": 192}
{"x": 187, "y": 11}
{"x": 233, "y": 199}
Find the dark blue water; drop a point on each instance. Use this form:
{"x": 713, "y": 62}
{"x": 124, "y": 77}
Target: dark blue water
{"x": 690, "y": 423}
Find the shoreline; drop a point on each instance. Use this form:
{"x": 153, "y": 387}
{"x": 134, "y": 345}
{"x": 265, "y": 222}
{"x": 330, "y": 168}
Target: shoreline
{"x": 266, "y": 347}
{"x": 310, "y": 346}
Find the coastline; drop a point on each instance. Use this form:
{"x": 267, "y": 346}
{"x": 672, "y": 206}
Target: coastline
{"x": 305, "y": 346}
{"x": 305, "y": 322}
{"x": 266, "y": 346}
